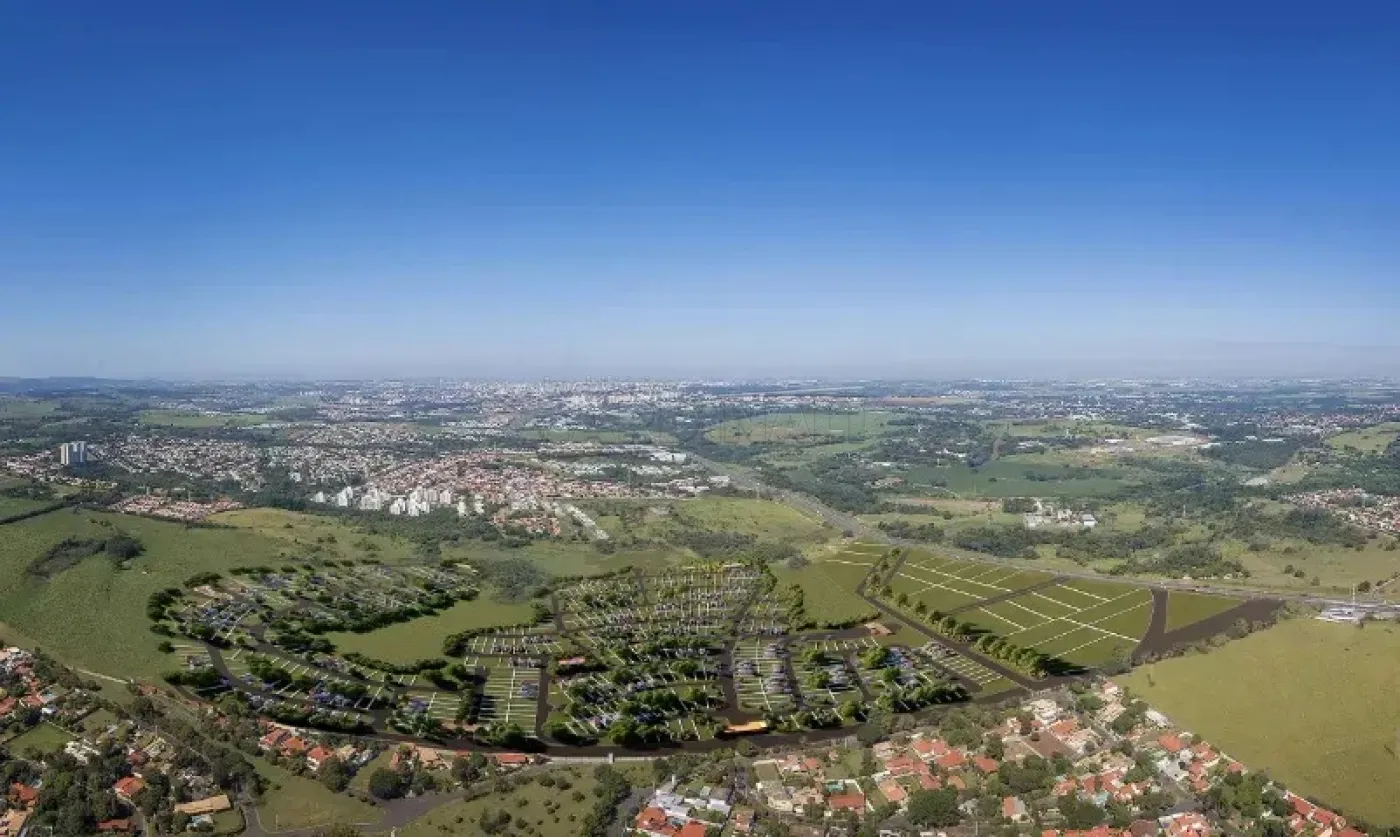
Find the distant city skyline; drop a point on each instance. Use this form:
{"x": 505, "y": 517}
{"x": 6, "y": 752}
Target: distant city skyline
{"x": 725, "y": 189}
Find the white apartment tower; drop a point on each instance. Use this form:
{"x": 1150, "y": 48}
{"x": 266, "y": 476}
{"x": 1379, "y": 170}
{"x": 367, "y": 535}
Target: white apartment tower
{"x": 72, "y": 453}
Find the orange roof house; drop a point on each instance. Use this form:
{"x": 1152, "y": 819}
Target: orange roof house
{"x": 128, "y": 787}
{"x": 847, "y": 802}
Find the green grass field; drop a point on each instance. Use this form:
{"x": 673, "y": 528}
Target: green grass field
{"x": 828, "y": 586}
{"x": 24, "y": 408}
{"x": 177, "y": 418}
{"x": 526, "y": 803}
{"x": 1189, "y": 608}
{"x": 1007, "y": 478}
{"x": 303, "y": 533}
{"x": 422, "y": 638}
{"x": 294, "y": 802}
{"x": 808, "y": 428}
{"x": 1305, "y": 700}
{"x": 17, "y": 505}
{"x": 663, "y": 520}
{"x": 1368, "y": 439}
{"x": 94, "y": 615}
{"x": 45, "y": 737}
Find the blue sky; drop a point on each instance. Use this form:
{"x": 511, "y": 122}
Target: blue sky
{"x": 686, "y": 188}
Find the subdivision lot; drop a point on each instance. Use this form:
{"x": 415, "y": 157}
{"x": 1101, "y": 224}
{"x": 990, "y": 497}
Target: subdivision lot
{"x": 944, "y": 584}
{"x": 1189, "y": 608}
{"x": 1303, "y": 700}
{"x": 510, "y": 695}
{"x": 1066, "y": 622}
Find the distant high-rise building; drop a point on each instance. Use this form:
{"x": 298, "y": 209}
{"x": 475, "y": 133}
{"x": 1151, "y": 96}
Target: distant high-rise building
{"x": 72, "y": 453}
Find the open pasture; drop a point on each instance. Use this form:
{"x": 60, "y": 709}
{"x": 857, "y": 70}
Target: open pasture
{"x": 804, "y": 428}
{"x": 1305, "y": 700}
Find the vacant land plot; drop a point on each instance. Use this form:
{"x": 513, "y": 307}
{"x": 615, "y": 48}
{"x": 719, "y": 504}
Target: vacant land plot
{"x": 799, "y": 428}
{"x": 1081, "y": 622}
{"x": 1189, "y": 608}
{"x": 671, "y": 521}
{"x": 1368, "y": 439}
{"x": 944, "y": 584}
{"x": 94, "y": 614}
{"x": 45, "y": 737}
{"x": 828, "y": 587}
{"x": 530, "y": 804}
{"x": 312, "y": 534}
{"x": 10, "y": 506}
{"x": 177, "y": 418}
{"x": 1006, "y": 478}
{"x": 293, "y": 802}
{"x": 422, "y": 637}
{"x": 1302, "y": 700}
{"x": 24, "y": 408}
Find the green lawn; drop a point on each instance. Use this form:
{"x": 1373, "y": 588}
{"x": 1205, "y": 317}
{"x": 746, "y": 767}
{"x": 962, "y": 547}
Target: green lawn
{"x": 527, "y": 804}
{"x": 45, "y": 737}
{"x": 1189, "y": 608}
{"x": 177, "y": 418}
{"x": 422, "y": 638}
{"x": 313, "y": 534}
{"x": 828, "y": 587}
{"x": 1305, "y": 700}
{"x": 293, "y": 802}
{"x": 94, "y": 614}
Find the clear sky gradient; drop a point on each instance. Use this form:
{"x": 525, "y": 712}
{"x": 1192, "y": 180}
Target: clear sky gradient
{"x": 520, "y": 188}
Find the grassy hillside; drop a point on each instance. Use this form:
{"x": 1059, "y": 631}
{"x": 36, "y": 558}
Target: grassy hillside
{"x": 1305, "y": 700}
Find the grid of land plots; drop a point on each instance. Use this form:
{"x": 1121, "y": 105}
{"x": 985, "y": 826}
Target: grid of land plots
{"x": 945, "y": 584}
{"x": 761, "y": 677}
{"x": 1079, "y": 621}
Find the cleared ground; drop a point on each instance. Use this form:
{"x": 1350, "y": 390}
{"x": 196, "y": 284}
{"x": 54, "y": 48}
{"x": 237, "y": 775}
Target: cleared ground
{"x": 1306, "y": 700}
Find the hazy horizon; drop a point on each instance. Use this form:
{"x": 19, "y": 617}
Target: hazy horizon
{"x": 720, "y": 190}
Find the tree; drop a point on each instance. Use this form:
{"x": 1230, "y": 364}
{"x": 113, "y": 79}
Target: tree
{"x": 935, "y": 808}
{"x": 1079, "y": 814}
{"x": 386, "y": 784}
{"x": 334, "y": 774}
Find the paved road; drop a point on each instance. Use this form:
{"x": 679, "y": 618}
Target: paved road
{"x": 746, "y": 480}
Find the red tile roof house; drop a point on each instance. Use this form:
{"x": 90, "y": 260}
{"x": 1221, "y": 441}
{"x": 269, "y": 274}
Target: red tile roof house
{"x": 273, "y": 739}
{"x": 512, "y": 759}
{"x": 846, "y": 802}
{"x": 294, "y": 747}
{"x": 7, "y": 706}
{"x": 23, "y": 795}
{"x": 318, "y": 757}
{"x": 928, "y": 782}
{"x": 893, "y": 792}
{"x": 950, "y": 760}
{"x": 1171, "y": 743}
{"x": 986, "y": 765}
{"x": 929, "y": 749}
{"x": 128, "y": 787}
{"x": 1014, "y": 809}
{"x": 693, "y": 829}
{"x": 902, "y": 766}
